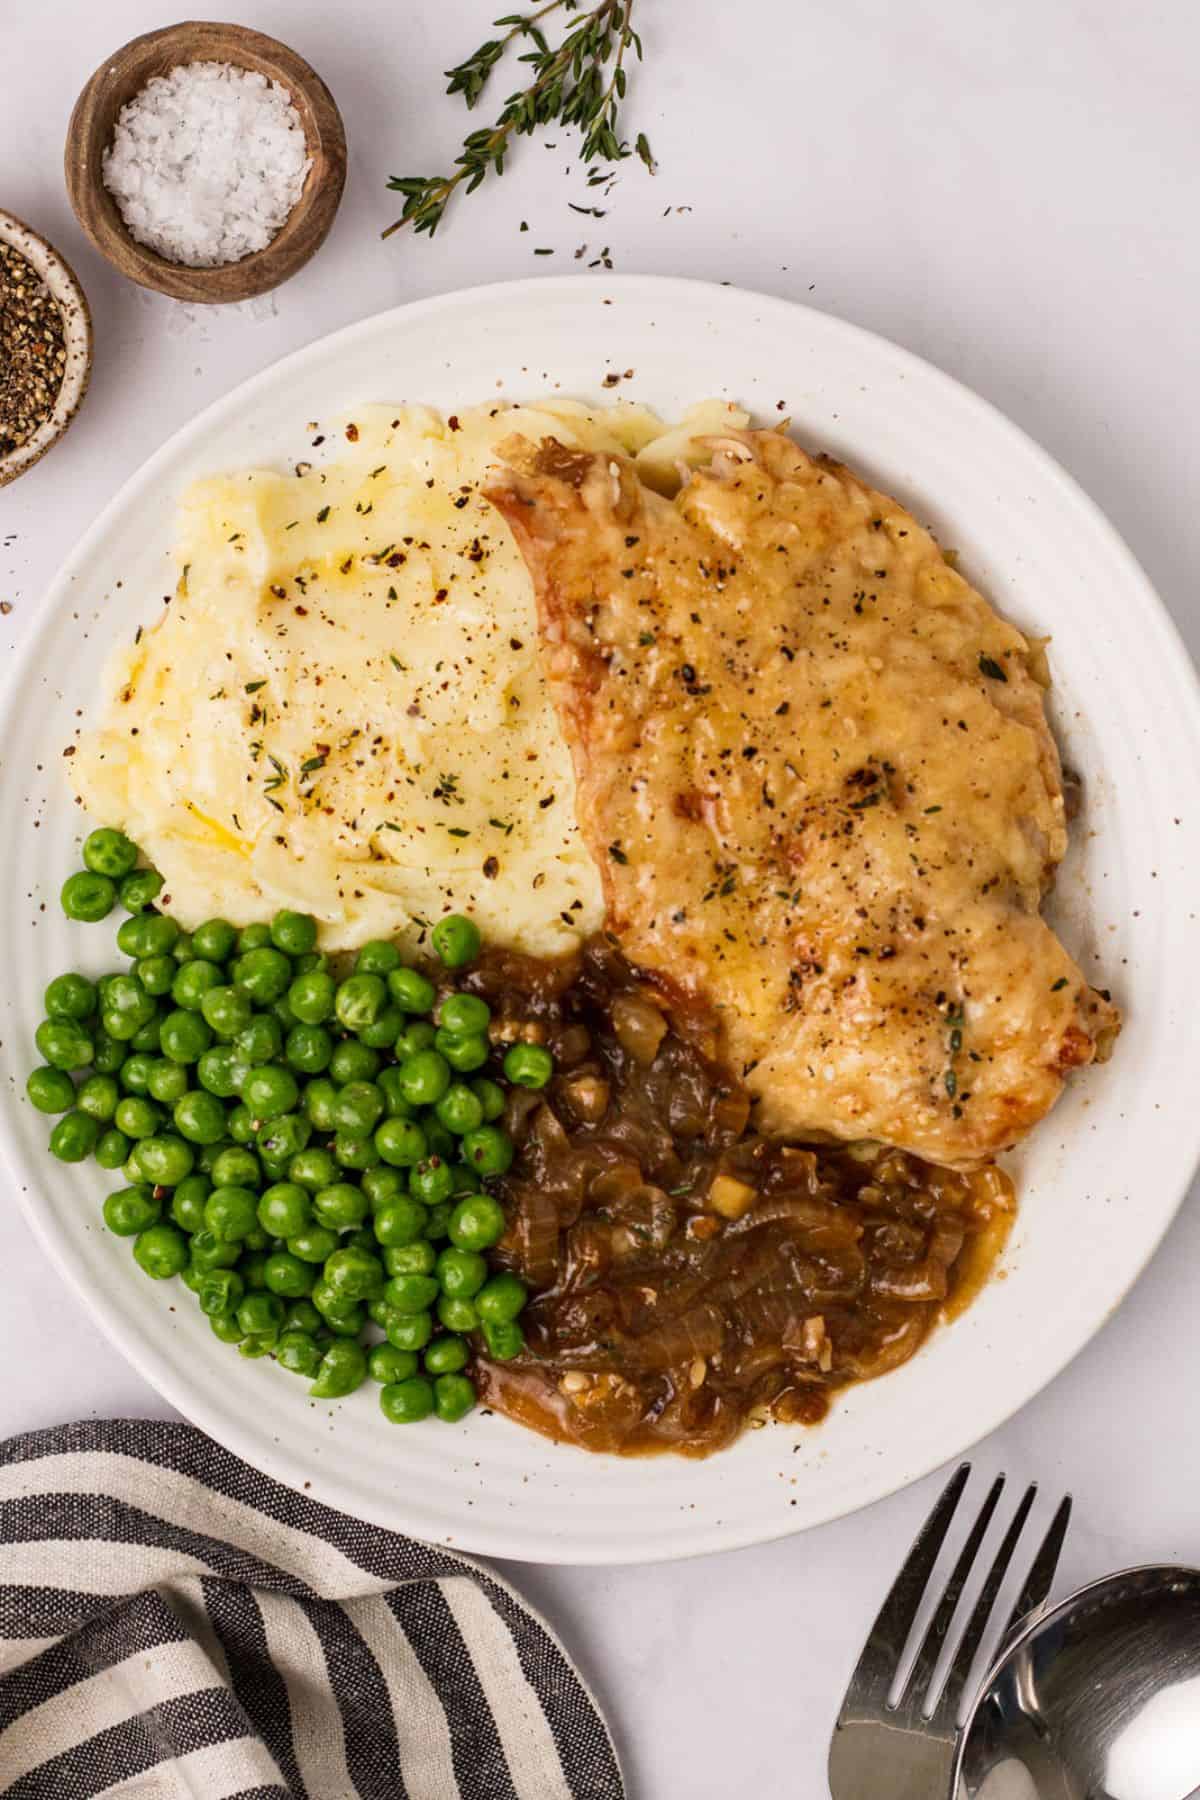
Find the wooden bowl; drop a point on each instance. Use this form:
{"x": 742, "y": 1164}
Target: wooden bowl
{"x": 63, "y": 284}
{"x": 125, "y": 74}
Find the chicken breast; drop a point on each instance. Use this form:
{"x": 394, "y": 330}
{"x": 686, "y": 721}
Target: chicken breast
{"x": 815, "y": 772}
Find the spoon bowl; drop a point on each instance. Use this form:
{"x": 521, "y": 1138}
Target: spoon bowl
{"x": 1099, "y": 1699}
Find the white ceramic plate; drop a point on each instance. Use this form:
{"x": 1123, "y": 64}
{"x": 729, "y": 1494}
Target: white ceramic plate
{"x": 1104, "y": 1173}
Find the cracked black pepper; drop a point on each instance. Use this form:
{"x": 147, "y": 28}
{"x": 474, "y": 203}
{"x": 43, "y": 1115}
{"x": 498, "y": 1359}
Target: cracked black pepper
{"x": 33, "y": 355}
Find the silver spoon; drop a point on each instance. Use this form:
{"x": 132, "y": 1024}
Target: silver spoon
{"x": 1099, "y": 1699}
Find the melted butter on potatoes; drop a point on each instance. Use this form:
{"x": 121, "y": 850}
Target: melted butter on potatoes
{"x": 342, "y": 709}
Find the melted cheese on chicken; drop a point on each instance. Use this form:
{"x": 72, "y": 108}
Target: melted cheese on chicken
{"x": 816, "y": 775}
{"x": 342, "y": 710}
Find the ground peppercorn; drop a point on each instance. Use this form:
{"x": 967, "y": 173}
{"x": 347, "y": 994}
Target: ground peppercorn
{"x": 33, "y": 355}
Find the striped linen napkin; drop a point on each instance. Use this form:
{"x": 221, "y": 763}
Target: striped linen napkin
{"x": 173, "y": 1623}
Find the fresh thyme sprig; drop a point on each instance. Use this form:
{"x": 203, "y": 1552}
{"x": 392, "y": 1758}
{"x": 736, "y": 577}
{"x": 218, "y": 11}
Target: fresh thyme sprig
{"x": 580, "y": 82}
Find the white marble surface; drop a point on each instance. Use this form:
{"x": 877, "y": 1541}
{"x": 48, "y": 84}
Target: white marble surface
{"x": 1011, "y": 191}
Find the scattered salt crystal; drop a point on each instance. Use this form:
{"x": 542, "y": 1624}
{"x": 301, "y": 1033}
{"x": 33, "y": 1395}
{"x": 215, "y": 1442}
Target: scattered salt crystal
{"x": 206, "y": 163}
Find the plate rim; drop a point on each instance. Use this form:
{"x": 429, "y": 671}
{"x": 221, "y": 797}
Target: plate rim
{"x": 1171, "y": 652}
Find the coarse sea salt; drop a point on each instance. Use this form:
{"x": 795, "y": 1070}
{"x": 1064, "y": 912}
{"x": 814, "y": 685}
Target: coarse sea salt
{"x": 206, "y": 163}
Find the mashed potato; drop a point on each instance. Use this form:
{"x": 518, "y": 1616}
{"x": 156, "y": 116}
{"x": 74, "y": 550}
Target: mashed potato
{"x": 342, "y": 710}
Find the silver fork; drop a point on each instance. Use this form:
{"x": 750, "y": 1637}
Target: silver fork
{"x": 883, "y": 1751}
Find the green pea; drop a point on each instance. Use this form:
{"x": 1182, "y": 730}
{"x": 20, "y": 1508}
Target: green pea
{"x": 221, "y": 1071}
{"x": 461, "y": 1273}
{"x": 528, "y": 1065}
{"x": 401, "y": 1221}
{"x": 280, "y": 1139}
{"x": 139, "y": 889}
{"x": 491, "y": 1097}
{"x": 309, "y": 1049}
{"x": 253, "y": 937}
{"x": 224, "y": 1325}
{"x": 211, "y": 1252}
{"x": 354, "y": 1274}
{"x": 298, "y": 1352}
{"x": 288, "y": 1275}
{"x": 220, "y": 1291}
{"x": 456, "y": 940}
{"x": 438, "y": 1224}
{"x": 418, "y": 1036}
{"x": 109, "y": 1054}
{"x": 230, "y": 1213}
{"x": 156, "y": 973}
{"x": 214, "y": 940}
{"x": 261, "y": 1041}
{"x": 241, "y": 1126}
{"x": 340, "y": 1206}
{"x": 352, "y": 1061}
{"x": 285, "y": 1209}
{"x": 504, "y": 1339}
{"x": 261, "y": 1344}
{"x": 70, "y": 997}
{"x": 313, "y": 1244}
{"x": 108, "y": 852}
{"x": 446, "y": 1356}
{"x": 136, "y": 1117}
{"x": 98, "y": 1098}
{"x": 167, "y": 1082}
{"x": 501, "y": 1299}
{"x": 465, "y": 1052}
{"x": 226, "y": 1009}
{"x": 438, "y": 1141}
{"x": 424, "y": 1078}
{"x": 489, "y": 1150}
{"x": 187, "y": 1202}
{"x": 416, "y": 1258}
{"x": 359, "y": 1108}
{"x": 184, "y": 948}
{"x": 343, "y": 1368}
{"x": 313, "y": 1168}
{"x": 457, "y": 1314}
{"x": 408, "y": 1331}
{"x": 311, "y": 996}
{"x": 161, "y": 1250}
{"x": 293, "y": 932}
{"x": 460, "y": 1110}
{"x": 381, "y": 1184}
{"x": 260, "y": 1312}
{"x": 130, "y": 1210}
{"x": 265, "y": 974}
{"x": 199, "y": 1117}
{"x": 194, "y": 980}
{"x": 63, "y": 1044}
{"x": 400, "y": 1142}
{"x": 137, "y": 1072}
{"x": 465, "y": 1015}
{"x": 360, "y": 1000}
{"x": 147, "y": 934}
{"x": 163, "y": 1161}
{"x": 147, "y": 1039}
{"x": 235, "y": 1166}
{"x": 411, "y": 991}
{"x": 207, "y": 1154}
{"x": 52, "y": 1090}
{"x": 112, "y": 1149}
{"x": 382, "y": 1033}
{"x": 270, "y": 1090}
{"x": 302, "y": 1315}
{"x": 454, "y": 1397}
{"x": 345, "y": 1318}
{"x": 431, "y": 1181}
{"x": 407, "y": 1402}
{"x": 387, "y": 1364}
{"x": 377, "y": 958}
{"x": 411, "y": 1293}
{"x": 88, "y": 898}
{"x": 477, "y": 1222}
{"x": 356, "y": 1153}
{"x": 185, "y": 1037}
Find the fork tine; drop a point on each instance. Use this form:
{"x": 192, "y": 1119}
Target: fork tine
{"x": 885, "y": 1644}
{"x": 945, "y": 1713}
{"x": 1041, "y": 1575}
{"x": 935, "y": 1635}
